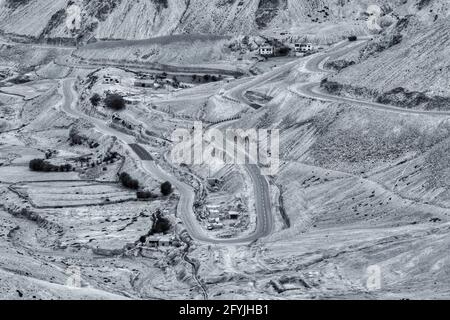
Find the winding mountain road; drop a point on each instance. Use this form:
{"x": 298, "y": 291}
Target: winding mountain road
{"x": 313, "y": 89}
{"x": 185, "y": 211}
{"x": 185, "y": 208}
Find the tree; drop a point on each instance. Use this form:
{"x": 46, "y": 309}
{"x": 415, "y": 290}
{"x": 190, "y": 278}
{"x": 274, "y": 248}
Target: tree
{"x": 36, "y": 164}
{"x": 44, "y": 166}
{"x": 115, "y": 102}
{"x": 145, "y": 195}
{"x": 128, "y": 182}
{"x": 284, "y": 51}
{"x": 75, "y": 136}
{"x": 95, "y": 99}
{"x": 166, "y": 188}
{"x": 160, "y": 223}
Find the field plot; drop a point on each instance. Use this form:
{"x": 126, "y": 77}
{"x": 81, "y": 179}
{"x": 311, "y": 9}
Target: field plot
{"x": 105, "y": 229}
{"x": 30, "y": 90}
{"x": 13, "y": 174}
{"x": 73, "y": 194}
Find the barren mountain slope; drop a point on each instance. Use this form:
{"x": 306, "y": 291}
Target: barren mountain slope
{"x": 412, "y": 73}
{"x": 360, "y": 187}
{"x": 129, "y": 19}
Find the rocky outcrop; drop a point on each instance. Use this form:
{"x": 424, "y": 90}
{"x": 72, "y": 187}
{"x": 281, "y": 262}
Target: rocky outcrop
{"x": 129, "y": 19}
{"x": 415, "y": 100}
{"x": 399, "y": 97}
{"x": 268, "y": 10}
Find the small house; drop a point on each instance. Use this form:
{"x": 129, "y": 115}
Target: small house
{"x": 132, "y": 100}
{"x": 144, "y": 83}
{"x": 303, "y": 47}
{"x": 159, "y": 241}
{"x": 165, "y": 242}
{"x": 266, "y": 51}
{"x": 111, "y": 80}
{"x": 152, "y": 241}
{"x": 233, "y": 215}
{"x": 214, "y": 212}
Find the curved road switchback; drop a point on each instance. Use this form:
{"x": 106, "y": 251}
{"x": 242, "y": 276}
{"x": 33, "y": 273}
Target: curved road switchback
{"x": 313, "y": 89}
{"x": 185, "y": 207}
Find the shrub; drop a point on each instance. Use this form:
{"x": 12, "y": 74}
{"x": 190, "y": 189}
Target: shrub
{"x": 75, "y": 137}
{"x": 352, "y": 38}
{"x": 115, "y": 102}
{"x": 144, "y": 195}
{"x": 44, "y": 166}
{"x": 160, "y": 223}
{"x": 36, "y": 164}
{"x": 95, "y": 99}
{"x": 128, "y": 182}
{"x": 284, "y": 51}
{"x": 166, "y": 188}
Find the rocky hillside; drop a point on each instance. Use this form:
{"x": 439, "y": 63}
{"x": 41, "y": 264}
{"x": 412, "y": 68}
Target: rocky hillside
{"x": 130, "y": 19}
{"x": 408, "y": 67}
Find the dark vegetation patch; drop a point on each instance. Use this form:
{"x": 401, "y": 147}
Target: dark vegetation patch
{"x": 338, "y": 65}
{"x": 41, "y": 165}
{"x": 166, "y": 188}
{"x": 101, "y": 9}
{"x": 114, "y": 102}
{"x": 161, "y": 4}
{"x": 145, "y": 195}
{"x": 95, "y": 99}
{"x": 128, "y": 182}
{"x": 14, "y": 4}
{"x": 422, "y": 4}
{"x": 268, "y": 10}
{"x": 413, "y": 99}
{"x": 160, "y": 223}
{"x": 56, "y": 20}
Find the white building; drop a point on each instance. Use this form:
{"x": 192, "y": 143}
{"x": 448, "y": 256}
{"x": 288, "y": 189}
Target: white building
{"x": 159, "y": 241}
{"x": 111, "y": 80}
{"x": 303, "y": 47}
{"x": 266, "y": 51}
{"x": 233, "y": 215}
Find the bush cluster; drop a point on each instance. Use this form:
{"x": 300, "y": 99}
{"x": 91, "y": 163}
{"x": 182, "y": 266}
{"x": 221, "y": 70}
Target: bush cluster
{"x": 114, "y": 102}
{"x": 166, "y": 188}
{"x": 128, "y": 182}
{"x": 44, "y": 166}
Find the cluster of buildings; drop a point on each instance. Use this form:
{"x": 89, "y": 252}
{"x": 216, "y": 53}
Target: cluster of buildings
{"x": 270, "y": 50}
{"x": 158, "y": 83}
{"x": 160, "y": 241}
{"x": 145, "y": 83}
{"x": 216, "y": 215}
{"x": 108, "y": 79}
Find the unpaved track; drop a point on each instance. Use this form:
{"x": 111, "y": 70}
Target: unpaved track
{"x": 185, "y": 206}
{"x": 312, "y": 89}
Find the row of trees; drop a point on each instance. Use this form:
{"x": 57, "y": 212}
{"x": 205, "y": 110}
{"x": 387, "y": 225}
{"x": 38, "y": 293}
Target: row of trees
{"x": 128, "y": 182}
{"x": 206, "y": 78}
{"x": 43, "y": 166}
{"x": 112, "y": 101}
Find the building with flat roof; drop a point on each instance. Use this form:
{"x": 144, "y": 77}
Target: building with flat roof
{"x": 303, "y": 47}
{"x": 266, "y": 51}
